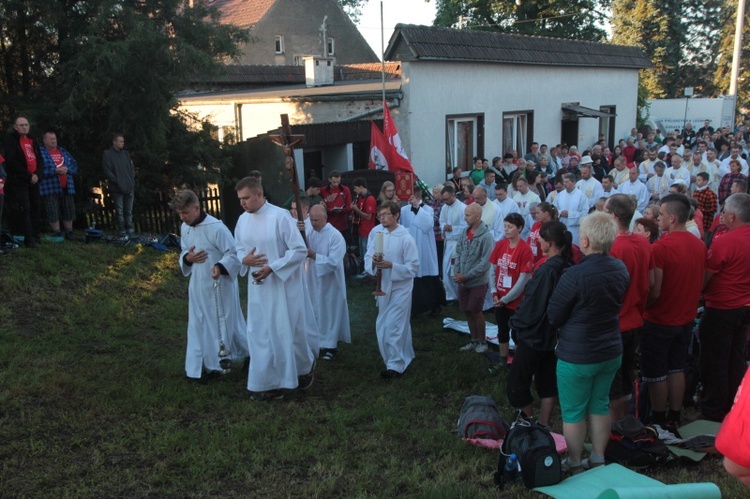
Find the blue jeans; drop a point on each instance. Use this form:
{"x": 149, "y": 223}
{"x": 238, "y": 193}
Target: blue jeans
{"x": 124, "y": 208}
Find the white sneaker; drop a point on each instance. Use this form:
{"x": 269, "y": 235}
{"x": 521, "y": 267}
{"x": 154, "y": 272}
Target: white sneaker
{"x": 481, "y": 348}
{"x": 468, "y": 347}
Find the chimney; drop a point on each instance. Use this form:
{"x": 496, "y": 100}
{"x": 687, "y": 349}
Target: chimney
{"x": 318, "y": 71}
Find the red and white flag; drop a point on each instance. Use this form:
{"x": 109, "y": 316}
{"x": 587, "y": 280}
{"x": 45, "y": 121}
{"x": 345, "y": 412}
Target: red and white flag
{"x": 379, "y": 149}
{"x": 399, "y": 159}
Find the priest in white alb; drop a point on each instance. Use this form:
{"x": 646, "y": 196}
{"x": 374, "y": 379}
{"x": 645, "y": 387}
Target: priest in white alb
{"x": 326, "y": 283}
{"x": 634, "y": 187}
{"x": 214, "y": 313}
{"x": 525, "y": 199}
{"x": 452, "y": 224}
{"x": 280, "y": 315}
{"x": 391, "y": 249}
{"x": 418, "y": 218}
{"x": 588, "y": 185}
{"x": 571, "y": 205}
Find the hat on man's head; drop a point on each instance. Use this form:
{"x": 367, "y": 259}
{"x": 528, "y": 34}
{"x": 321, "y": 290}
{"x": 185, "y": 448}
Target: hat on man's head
{"x": 586, "y": 160}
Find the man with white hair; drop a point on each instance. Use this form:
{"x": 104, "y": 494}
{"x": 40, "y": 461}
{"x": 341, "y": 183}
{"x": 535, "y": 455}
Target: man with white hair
{"x": 588, "y": 185}
{"x": 636, "y": 188}
{"x": 324, "y": 273}
{"x": 571, "y": 205}
{"x": 677, "y": 171}
{"x": 452, "y": 224}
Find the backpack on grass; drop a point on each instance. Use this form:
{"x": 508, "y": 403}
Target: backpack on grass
{"x": 536, "y": 452}
{"x": 480, "y": 419}
{"x": 636, "y": 446}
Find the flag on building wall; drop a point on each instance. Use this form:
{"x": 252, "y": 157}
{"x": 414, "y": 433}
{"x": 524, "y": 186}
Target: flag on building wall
{"x": 399, "y": 161}
{"x": 379, "y": 149}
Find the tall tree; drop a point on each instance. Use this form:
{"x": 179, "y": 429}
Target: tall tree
{"x": 578, "y": 19}
{"x": 91, "y": 67}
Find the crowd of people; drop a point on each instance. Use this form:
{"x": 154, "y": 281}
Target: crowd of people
{"x": 42, "y": 177}
{"x": 595, "y": 265}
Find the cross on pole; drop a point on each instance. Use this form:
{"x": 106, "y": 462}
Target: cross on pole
{"x": 287, "y": 141}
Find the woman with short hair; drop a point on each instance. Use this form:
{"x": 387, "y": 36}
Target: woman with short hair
{"x": 584, "y": 308}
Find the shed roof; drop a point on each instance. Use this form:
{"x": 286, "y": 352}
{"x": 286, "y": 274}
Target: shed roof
{"x": 432, "y": 43}
{"x": 258, "y": 74}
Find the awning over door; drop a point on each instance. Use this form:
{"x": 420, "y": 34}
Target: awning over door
{"x": 586, "y": 112}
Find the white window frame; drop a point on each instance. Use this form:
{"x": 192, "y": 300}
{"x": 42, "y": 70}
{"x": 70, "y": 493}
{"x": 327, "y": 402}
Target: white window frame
{"x": 331, "y": 46}
{"x": 452, "y": 138}
{"x": 279, "y": 44}
{"x": 519, "y": 132}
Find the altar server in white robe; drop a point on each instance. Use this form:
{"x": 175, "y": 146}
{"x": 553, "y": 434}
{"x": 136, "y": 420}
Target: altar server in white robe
{"x": 588, "y": 185}
{"x": 399, "y": 265}
{"x": 452, "y": 224}
{"x": 281, "y": 328}
{"x": 324, "y": 270}
{"x": 209, "y": 258}
{"x": 571, "y": 204}
{"x": 418, "y": 218}
{"x": 634, "y": 187}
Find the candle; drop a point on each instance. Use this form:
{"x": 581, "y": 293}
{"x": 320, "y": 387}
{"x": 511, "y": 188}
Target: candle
{"x": 378, "y": 242}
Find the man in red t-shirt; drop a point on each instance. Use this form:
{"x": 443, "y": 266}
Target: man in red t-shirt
{"x": 726, "y": 317}
{"x": 679, "y": 259}
{"x": 23, "y": 164}
{"x": 635, "y": 253}
{"x": 338, "y": 200}
{"x": 364, "y": 214}
{"x": 733, "y": 439}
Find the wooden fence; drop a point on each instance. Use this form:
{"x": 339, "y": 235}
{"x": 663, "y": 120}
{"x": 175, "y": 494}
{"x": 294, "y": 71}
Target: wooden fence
{"x": 152, "y": 215}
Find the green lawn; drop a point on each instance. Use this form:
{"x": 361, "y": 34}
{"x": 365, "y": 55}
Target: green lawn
{"x": 94, "y": 402}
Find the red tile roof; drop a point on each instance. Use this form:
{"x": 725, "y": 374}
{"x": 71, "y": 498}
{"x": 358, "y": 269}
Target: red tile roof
{"x": 242, "y": 13}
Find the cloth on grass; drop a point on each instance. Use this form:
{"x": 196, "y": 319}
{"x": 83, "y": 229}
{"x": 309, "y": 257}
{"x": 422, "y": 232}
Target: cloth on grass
{"x": 463, "y": 327}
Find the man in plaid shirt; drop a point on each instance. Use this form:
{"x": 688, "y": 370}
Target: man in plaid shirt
{"x": 707, "y": 199}
{"x": 725, "y": 186}
{"x": 56, "y": 184}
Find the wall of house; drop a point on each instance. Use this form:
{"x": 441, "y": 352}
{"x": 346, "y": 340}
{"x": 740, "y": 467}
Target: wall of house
{"x": 433, "y": 90}
{"x": 300, "y": 24}
{"x": 261, "y": 117}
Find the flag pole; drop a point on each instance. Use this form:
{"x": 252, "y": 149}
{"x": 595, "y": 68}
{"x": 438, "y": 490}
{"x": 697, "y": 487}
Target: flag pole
{"x": 382, "y": 52}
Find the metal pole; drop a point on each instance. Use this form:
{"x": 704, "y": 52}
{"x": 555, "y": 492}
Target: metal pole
{"x": 736, "y": 56}
{"x": 382, "y": 52}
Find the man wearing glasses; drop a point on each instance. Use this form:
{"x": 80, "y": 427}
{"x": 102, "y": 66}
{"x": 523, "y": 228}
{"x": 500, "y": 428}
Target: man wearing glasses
{"x": 398, "y": 263}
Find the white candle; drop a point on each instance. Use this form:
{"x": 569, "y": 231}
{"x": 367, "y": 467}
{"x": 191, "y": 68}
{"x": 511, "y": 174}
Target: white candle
{"x": 378, "y": 242}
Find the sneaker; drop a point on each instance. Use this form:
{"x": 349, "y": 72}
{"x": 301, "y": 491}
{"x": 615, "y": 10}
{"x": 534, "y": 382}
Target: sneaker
{"x": 328, "y": 355}
{"x": 267, "y": 395}
{"x": 306, "y": 380}
{"x": 576, "y": 469}
{"x": 481, "y": 348}
{"x": 469, "y": 347}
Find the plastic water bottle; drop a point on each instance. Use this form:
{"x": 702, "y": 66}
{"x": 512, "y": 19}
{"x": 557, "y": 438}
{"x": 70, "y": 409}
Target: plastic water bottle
{"x": 510, "y": 474}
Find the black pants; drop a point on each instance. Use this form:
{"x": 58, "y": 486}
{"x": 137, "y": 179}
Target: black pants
{"x": 530, "y": 364}
{"x": 30, "y": 206}
{"x": 722, "y": 359}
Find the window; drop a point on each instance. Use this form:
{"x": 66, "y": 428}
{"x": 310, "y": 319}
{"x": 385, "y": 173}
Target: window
{"x": 464, "y": 140}
{"x": 331, "y": 47}
{"x": 517, "y": 131}
{"x": 607, "y": 125}
{"x": 279, "y": 44}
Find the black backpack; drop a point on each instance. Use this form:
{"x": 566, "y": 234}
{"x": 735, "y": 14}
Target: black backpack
{"x": 636, "y": 446}
{"x": 537, "y": 455}
{"x": 480, "y": 419}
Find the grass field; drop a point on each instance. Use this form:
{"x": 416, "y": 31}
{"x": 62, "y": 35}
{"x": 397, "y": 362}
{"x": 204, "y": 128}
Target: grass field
{"x": 94, "y": 402}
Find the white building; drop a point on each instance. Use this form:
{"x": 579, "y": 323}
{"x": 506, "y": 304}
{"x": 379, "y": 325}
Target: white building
{"x": 454, "y": 94}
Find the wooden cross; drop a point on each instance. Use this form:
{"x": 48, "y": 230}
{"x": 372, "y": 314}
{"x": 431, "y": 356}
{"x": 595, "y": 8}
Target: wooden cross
{"x": 287, "y": 141}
